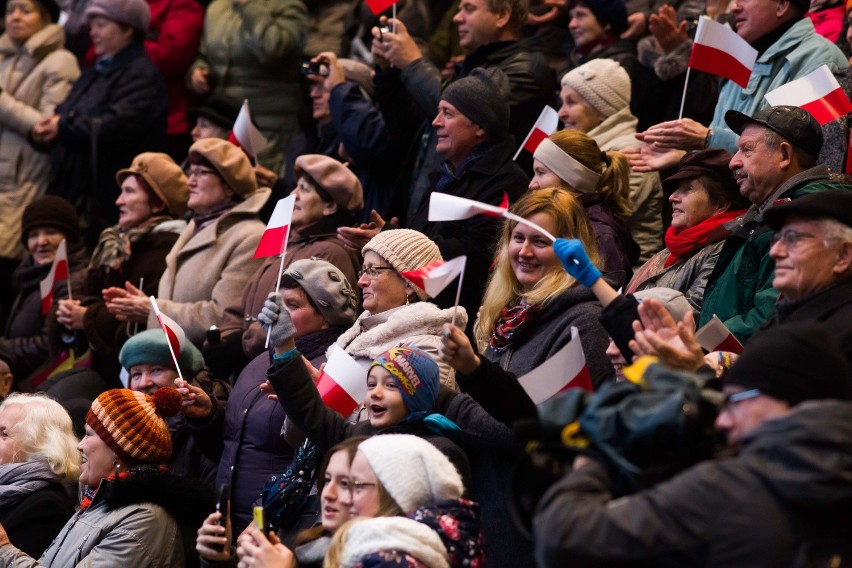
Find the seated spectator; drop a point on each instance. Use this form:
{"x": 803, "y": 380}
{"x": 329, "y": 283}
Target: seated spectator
{"x": 38, "y": 464}
{"x": 132, "y": 512}
{"x": 599, "y": 181}
{"x": 214, "y": 118}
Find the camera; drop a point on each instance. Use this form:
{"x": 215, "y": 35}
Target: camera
{"x": 314, "y": 68}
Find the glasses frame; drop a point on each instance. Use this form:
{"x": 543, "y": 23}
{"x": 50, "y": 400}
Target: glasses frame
{"x": 790, "y": 237}
{"x": 372, "y": 272}
{"x": 731, "y": 400}
{"x": 359, "y": 486}
{"x": 201, "y": 172}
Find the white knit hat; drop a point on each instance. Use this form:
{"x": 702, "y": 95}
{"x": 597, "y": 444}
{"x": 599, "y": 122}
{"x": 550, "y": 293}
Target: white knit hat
{"x": 369, "y": 536}
{"x": 405, "y": 249}
{"x": 603, "y": 83}
{"x": 413, "y": 471}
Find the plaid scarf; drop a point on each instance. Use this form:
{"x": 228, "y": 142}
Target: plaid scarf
{"x": 507, "y": 325}
{"x": 113, "y": 248}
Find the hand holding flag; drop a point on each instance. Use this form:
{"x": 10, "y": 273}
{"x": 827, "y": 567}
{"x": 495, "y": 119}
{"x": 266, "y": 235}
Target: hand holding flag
{"x": 58, "y": 271}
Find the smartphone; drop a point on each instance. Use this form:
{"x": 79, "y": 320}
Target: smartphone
{"x": 223, "y": 505}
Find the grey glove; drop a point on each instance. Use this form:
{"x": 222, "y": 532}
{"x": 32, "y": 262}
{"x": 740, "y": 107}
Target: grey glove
{"x": 275, "y": 316}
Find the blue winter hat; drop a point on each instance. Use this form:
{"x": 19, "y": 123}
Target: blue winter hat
{"x": 150, "y": 348}
{"x": 417, "y": 376}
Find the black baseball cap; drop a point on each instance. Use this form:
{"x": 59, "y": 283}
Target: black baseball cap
{"x": 221, "y": 110}
{"x": 796, "y": 125}
{"x": 832, "y": 204}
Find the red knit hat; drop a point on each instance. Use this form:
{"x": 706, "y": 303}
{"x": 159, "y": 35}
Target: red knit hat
{"x": 132, "y": 423}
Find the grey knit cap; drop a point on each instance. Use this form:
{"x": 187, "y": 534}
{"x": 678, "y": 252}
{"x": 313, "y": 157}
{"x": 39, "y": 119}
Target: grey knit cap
{"x": 134, "y": 13}
{"x": 326, "y": 285}
{"x": 483, "y": 97}
{"x": 405, "y": 249}
{"x": 603, "y": 83}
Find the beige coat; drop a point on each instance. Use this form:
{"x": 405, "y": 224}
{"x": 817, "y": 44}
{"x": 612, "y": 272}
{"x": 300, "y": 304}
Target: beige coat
{"x": 35, "y": 78}
{"x": 207, "y": 271}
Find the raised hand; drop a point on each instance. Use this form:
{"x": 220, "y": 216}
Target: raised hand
{"x": 456, "y": 350}
{"x": 576, "y": 262}
{"x": 275, "y": 317}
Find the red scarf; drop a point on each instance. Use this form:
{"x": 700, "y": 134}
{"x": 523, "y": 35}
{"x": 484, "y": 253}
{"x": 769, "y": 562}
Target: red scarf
{"x": 683, "y": 243}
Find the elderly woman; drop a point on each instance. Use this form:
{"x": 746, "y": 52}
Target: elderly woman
{"x": 212, "y": 260}
{"x": 704, "y": 196}
{"x": 600, "y": 181}
{"x": 115, "y": 111}
{"x": 132, "y": 507}
{"x": 130, "y": 254}
{"x": 36, "y": 74}
{"x": 38, "y": 460}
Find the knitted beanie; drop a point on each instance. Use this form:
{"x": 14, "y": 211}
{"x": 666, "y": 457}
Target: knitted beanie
{"x": 133, "y": 424}
{"x": 134, "y": 13}
{"x": 51, "y": 211}
{"x": 326, "y": 286}
{"x": 483, "y": 97}
{"x": 334, "y": 178}
{"x": 231, "y": 163}
{"x": 417, "y": 376}
{"x": 164, "y": 176}
{"x": 405, "y": 249}
{"x": 413, "y": 471}
{"x": 603, "y": 83}
{"x": 151, "y": 348}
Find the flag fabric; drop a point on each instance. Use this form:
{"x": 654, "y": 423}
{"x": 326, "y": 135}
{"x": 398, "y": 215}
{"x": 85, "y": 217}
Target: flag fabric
{"x": 566, "y": 369}
{"x": 245, "y": 134}
{"x": 446, "y": 207}
{"x": 818, "y": 92}
{"x": 379, "y": 6}
{"x": 174, "y": 333}
{"x": 274, "y": 238}
{"x": 58, "y": 271}
{"x": 547, "y": 124}
{"x": 343, "y": 382}
{"x": 715, "y": 336}
{"x": 717, "y": 49}
{"x": 436, "y": 275}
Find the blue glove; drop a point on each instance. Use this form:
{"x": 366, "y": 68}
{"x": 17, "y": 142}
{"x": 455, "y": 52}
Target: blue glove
{"x": 576, "y": 262}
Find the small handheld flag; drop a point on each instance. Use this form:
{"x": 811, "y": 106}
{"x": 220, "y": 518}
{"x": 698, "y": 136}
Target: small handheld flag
{"x": 274, "y": 239}
{"x": 343, "y": 382}
{"x": 175, "y": 336}
{"x": 546, "y": 124}
{"x": 58, "y": 271}
{"x": 565, "y": 369}
{"x": 715, "y": 336}
{"x": 245, "y": 134}
{"x": 718, "y": 50}
{"x": 818, "y": 92}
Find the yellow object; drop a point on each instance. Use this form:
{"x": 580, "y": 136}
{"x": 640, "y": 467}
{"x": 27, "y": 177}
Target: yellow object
{"x": 636, "y": 371}
{"x": 257, "y": 513}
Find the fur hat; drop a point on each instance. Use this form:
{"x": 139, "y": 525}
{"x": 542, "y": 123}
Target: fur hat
{"x": 417, "y": 376}
{"x": 603, "y": 83}
{"x": 134, "y": 13}
{"x": 151, "y": 348}
{"x": 164, "y": 177}
{"x": 326, "y": 286}
{"x": 334, "y": 178}
{"x": 413, "y": 471}
{"x": 405, "y": 249}
{"x": 483, "y": 97}
{"x": 51, "y": 211}
{"x": 231, "y": 163}
{"x": 133, "y": 424}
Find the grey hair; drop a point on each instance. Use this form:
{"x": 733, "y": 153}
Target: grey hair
{"x": 834, "y": 232}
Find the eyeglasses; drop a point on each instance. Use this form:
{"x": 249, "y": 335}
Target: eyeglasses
{"x": 790, "y": 237}
{"x": 359, "y": 486}
{"x": 372, "y": 272}
{"x": 198, "y": 172}
{"x": 735, "y": 398}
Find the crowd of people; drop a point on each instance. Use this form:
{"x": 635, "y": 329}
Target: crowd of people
{"x": 667, "y": 203}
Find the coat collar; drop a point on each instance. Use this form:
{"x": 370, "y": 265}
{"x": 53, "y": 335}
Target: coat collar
{"x": 189, "y": 241}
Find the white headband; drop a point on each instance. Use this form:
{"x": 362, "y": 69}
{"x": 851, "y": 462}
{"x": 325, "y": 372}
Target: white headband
{"x": 569, "y": 170}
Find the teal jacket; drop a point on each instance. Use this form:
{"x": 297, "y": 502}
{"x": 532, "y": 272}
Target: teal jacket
{"x": 739, "y": 289}
{"x": 796, "y": 53}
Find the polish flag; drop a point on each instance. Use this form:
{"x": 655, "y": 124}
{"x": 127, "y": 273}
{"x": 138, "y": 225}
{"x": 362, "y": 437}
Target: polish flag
{"x": 547, "y": 124}
{"x": 715, "y": 336}
{"x": 174, "y": 333}
{"x": 58, "y": 271}
{"x": 717, "y": 49}
{"x": 436, "y": 275}
{"x": 274, "y": 239}
{"x": 379, "y": 6}
{"x": 245, "y": 134}
{"x": 566, "y": 369}
{"x": 818, "y": 92}
{"x": 446, "y": 207}
{"x": 343, "y": 382}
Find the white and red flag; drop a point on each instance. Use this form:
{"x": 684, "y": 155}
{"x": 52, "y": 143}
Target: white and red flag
{"x": 175, "y": 335}
{"x": 379, "y": 6}
{"x": 245, "y": 134}
{"x": 564, "y": 370}
{"x": 717, "y": 49}
{"x": 343, "y": 382}
{"x": 446, "y": 207}
{"x": 547, "y": 124}
{"x": 818, "y": 92}
{"x": 58, "y": 271}
{"x": 274, "y": 239}
{"x": 436, "y": 275}
{"x": 715, "y": 336}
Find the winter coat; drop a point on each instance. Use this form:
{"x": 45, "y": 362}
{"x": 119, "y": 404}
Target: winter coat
{"x": 795, "y": 54}
{"x": 34, "y": 78}
{"x": 119, "y": 109}
{"x": 457, "y": 523}
{"x": 413, "y": 325}
{"x": 739, "y": 289}
{"x": 617, "y": 247}
{"x": 787, "y": 490}
{"x": 207, "y": 270}
{"x": 34, "y": 521}
{"x": 144, "y": 521}
{"x": 253, "y": 51}
{"x": 392, "y": 542}
{"x": 616, "y": 133}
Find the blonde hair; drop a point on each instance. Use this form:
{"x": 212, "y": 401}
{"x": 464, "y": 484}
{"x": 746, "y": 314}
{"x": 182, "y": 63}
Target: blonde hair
{"x": 614, "y": 185}
{"x": 503, "y": 288}
{"x": 44, "y": 432}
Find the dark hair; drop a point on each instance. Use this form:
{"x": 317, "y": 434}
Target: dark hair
{"x": 323, "y": 194}
{"x": 290, "y": 284}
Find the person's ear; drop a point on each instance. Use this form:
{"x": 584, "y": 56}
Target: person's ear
{"x": 787, "y": 154}
{"x": 6, "y": 380}
{"x": 844, "y": 260}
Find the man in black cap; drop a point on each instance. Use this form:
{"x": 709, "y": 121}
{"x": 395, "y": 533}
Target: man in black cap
{"x": 784, "y": 500}
{"x": 775, "y": 163}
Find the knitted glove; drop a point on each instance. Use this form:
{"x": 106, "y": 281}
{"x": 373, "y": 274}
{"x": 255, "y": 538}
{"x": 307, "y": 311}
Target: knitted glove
{"x": 576, "y": 261}
{"x": 274, "y": 315}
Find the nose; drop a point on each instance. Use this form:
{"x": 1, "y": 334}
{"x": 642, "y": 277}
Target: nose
{"x": 777, "y": 250}
{"x": 526, "y": 249}
{"x": 674, "y": 197}
{"x": 533, "y": 184}
{"x": 363, "y": 281}
{"x": 724, "y": 422}
{"x": 437, "y": 122}
{"x": 735, "y": 162}
{"x": 459, "y": 17}
{"x": 563, "y": 113}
